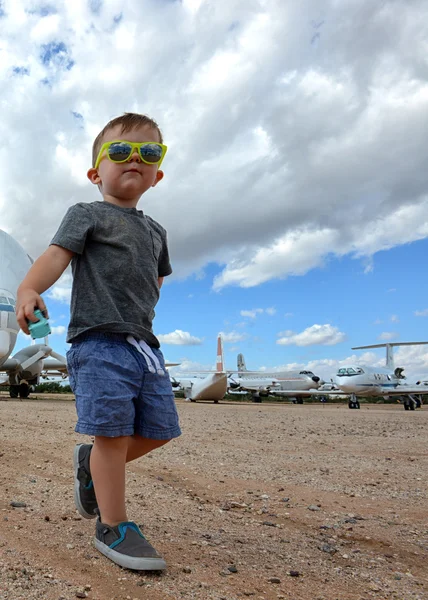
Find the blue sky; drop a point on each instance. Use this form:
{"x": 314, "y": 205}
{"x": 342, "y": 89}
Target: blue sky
{"x": 363, "y": 307}
{"x": 295, "y": 190}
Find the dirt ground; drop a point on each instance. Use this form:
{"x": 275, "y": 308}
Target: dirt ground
{"x": 270, "y": 501}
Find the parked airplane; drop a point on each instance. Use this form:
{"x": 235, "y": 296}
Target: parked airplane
{"x": 358, "y": 380}
{"x": 26, "y": 367}
{"x": 212, "y": 387}
{"x": 277, "y": 383}
{"x": 365, "y": 381}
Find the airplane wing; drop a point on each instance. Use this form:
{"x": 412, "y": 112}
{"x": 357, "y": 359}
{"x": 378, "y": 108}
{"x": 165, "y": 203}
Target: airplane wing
{"x": 55, "y": 365}
{"x": 10, "y": 365}
{"x": 32, "y": 361}
{"x": 403, "y": 390}
{"x": 294, "y": 393}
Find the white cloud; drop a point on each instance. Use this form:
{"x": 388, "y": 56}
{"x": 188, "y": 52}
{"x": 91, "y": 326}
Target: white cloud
{"x": 317, "y": 161}
{"x": 61, "y": 291}
{"x": 395, "y": 319}
{"x": 421, "y": 313}
{"x": 58, "y": 330}
{"x": 179, "y": 338}
{"x": 378, "y": 322}
{"x": 386, "y": 336}
{"x": 233, "y": 337}
{"x": 251, "y": 314}
{"x": 325, "y": 335}
{"x": 188, "y": 366}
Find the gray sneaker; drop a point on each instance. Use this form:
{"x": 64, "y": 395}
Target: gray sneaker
{"x": 84, "y": 493}
{"x": 127, "y": 547}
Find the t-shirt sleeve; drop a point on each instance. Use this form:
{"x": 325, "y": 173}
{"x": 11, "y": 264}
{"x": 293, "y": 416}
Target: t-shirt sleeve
{"x": 164, "y": 266}
{"x": 74, "y": 229}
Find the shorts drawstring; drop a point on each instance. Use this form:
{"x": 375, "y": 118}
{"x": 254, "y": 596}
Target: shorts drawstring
{"x": 143, "y": 348}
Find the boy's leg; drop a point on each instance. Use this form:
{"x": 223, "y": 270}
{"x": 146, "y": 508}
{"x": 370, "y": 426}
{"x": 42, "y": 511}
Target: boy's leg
{"x": 84, "y": 491}
{"x": 108, "y": 458}
{"x": 139, "y": 446}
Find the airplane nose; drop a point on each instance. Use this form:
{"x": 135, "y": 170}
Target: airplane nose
{"x": 315, "y": 378}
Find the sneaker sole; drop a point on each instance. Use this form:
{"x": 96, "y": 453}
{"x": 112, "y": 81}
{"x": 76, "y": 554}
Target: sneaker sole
{"x": 77, "y": 502}
{"x": 136, "y": 563}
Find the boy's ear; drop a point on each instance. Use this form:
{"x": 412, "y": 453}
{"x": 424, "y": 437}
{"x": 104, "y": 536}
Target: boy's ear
{"x": 93, "y": 176}
{"x": 159, "y": 176}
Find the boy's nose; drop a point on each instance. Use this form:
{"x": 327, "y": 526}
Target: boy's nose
{"x": 134, "y": 156}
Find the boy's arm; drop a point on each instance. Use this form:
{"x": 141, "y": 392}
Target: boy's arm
{"x": 47, "y": 269}
{"x": 160, "y": 282}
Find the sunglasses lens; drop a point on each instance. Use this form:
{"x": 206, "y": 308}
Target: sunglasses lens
{"x": 119, "y": 151}
{"x": 151, "y": 153}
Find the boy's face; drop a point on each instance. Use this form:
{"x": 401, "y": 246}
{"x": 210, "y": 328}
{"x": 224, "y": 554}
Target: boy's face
{"x": 124, "y": 183}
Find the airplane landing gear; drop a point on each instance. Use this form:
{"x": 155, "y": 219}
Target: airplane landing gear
{"x": 409, "y": 403}
{"x": 20, "y": 391}
{"x": 14, "y": 391}
{"x": 24, "y": 390}
{"x": 354, "y": 402}
{"x": 257, "y": 397}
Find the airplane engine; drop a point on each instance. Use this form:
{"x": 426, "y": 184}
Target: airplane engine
{"x": 4, "y": 343}
{"x": 234, "y": 385}
{"x": 29, "y": 362}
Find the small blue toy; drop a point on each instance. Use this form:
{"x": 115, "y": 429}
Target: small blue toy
{"x": 40, "y": 329}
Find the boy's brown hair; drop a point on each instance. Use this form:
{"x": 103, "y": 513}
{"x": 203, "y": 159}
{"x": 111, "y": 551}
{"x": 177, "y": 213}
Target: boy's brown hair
{"x": 128, "y": 121}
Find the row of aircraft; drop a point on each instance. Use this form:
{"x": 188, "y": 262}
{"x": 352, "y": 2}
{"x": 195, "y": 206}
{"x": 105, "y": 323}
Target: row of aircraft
{"x": 25, "y": 368}
{"x": 354, "y": 381}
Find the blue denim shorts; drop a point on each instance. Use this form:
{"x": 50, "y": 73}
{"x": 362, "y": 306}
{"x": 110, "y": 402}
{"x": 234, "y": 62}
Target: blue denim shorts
{"x": 116, "y": 393}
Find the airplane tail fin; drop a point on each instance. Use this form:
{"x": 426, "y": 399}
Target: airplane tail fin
{"x": 389, "y": 350}
{"x": 220, "y": 355}
{"x": 241, "y": 363}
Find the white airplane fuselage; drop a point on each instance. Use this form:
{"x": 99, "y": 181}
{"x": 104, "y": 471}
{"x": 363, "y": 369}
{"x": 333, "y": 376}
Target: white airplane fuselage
{"x": 369, "y": 381}
{"x": 14, "y": 264}
{"x": 275, "y": 381}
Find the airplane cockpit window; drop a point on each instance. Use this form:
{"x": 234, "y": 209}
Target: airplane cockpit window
{"x": 306, "y": 373}
{"x": 6, "y": 307}
{"x": 349, "y": 371}
{"x": 3, "y": 300}
{"x": 12, "y": 301}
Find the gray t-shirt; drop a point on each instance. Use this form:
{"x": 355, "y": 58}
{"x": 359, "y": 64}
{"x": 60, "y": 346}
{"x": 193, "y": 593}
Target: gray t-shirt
{"x": 119, "y": 255}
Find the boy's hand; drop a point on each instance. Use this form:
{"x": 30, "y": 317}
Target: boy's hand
{"x": 26, "y": 303}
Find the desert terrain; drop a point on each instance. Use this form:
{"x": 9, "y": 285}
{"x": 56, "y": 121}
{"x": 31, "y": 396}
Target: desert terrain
{"x": 259, "y": 501}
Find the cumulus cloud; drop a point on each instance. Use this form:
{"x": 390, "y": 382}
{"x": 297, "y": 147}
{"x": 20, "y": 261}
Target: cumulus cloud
{"x": 58, "y": 330}
{"x": 332, "y": 162}
{"x": 395, "y": 319}
{"x": 386, "y": 336}
{"x": 252, "y": 314}
{"x": 233, "y": 337}
{"x": 179, "y": 338}
{"x": 61, "y": 291}
{"x": 325, "y": 335}
{"x": 421, "y": 313}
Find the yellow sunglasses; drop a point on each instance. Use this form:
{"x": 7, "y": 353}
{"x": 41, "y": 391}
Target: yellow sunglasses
{"x": 119, "y": 151}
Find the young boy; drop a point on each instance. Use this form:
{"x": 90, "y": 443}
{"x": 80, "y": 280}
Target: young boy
{"x": 119, "y": 257}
